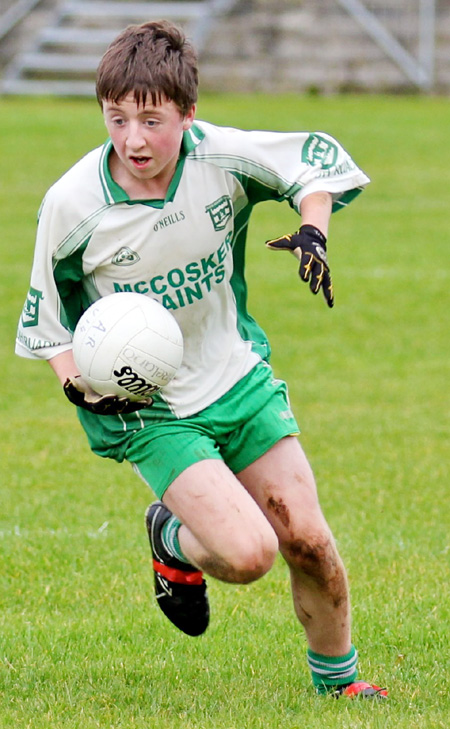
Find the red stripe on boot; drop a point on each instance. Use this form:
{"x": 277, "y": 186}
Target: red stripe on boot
{"x": 179, "y": 576}
{"x": 358, "y": 687}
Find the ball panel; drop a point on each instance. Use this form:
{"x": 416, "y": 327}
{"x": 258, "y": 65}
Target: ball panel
{"x": 165, "y": 350}
{"x": 98, "y": 323}
{"x": 167, "y": 325}
{"x": 109, "y": 346}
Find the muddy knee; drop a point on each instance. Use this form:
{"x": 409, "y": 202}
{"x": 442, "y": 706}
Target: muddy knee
{"x": 315, "y": 555}
{"x": 248, "y": 558}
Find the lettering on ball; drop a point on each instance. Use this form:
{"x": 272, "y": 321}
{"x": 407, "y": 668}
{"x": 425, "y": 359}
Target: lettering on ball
{"x": 133, "y": 383}
{"x": 152, "y": 369}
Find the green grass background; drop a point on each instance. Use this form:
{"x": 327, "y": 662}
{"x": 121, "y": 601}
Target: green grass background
{"x": 82, "y": 643}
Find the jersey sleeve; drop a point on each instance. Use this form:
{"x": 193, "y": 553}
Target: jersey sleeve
{"x": 284, "y": 165}
{"x": 41, "y": 334}
{"x": 327, "y": 166}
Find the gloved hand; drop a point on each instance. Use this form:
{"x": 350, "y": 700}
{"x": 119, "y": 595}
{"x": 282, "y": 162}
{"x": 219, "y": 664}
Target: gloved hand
{"x": 309, "y": 245}
{"x": 81, "y": 394}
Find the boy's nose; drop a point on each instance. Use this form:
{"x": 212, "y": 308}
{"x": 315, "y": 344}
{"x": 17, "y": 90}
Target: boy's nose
{"x": 135, "y": 138}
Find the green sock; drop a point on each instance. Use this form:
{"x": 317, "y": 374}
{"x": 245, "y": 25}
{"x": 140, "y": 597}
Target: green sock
{"x": 330, "y": 671}
{"x": 169, "y": 537}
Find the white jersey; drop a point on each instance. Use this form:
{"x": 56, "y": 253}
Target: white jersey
{"x": 186, "y": 251}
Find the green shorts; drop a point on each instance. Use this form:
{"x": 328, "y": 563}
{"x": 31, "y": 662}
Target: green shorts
{"x": 239, "y": 428}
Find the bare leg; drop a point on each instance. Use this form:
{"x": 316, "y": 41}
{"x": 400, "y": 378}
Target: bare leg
{"x": 233, "y": 527}
{"x": 224, "y": 532}
{"x": 282, "y": 483}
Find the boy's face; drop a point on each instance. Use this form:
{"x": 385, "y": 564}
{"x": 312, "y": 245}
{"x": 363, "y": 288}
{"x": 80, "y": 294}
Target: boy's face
{"x": 146, "y": 141}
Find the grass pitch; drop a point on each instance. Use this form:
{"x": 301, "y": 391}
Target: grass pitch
{"x": 82, "y": 643}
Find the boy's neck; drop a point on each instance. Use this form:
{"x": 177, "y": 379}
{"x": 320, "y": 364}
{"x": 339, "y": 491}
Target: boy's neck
{"x": 154, "y": 188}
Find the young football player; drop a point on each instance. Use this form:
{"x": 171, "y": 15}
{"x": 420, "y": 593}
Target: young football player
{"x": 162, "y": 209}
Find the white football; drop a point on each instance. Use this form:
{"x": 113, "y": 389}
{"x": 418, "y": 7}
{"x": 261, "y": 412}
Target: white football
{"x": 127, "y": 344}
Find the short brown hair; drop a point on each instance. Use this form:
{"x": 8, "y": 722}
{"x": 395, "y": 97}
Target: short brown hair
{"x": 153, "y": 59}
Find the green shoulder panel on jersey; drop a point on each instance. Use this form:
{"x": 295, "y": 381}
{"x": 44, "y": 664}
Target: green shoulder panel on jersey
{"x": 68, "y": 270}
{"x": 259, "y": 182}
{"x": 248, "y": 328}
{"x": 74, "y": 300}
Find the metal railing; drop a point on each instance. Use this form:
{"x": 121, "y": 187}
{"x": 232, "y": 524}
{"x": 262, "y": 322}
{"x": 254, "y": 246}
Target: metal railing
{"x": 15, "y": 14}
{"x": 420, "y": 69}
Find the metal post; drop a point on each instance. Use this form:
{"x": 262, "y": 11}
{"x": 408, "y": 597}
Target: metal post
{"x": 427, "y": 39}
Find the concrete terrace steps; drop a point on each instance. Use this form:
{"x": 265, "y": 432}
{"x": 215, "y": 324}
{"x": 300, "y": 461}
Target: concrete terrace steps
{"x": 64, "y": 56}
{"x": 262, "y": 45}
{"x": 128, "y": 12}
{"x": 83, "y": 38}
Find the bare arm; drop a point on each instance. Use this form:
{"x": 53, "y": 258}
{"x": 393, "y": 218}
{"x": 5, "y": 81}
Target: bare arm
{"x": 63, "y": 366}
{"x": 315, "y": 210}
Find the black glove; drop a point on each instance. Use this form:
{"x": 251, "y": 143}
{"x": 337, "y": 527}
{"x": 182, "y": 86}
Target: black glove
{"x": 81, "y": 394}
{"x": 309, "y": 245}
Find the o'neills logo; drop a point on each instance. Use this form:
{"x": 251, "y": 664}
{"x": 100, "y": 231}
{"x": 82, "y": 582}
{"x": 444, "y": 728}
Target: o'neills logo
{"x": 134, "y": 383}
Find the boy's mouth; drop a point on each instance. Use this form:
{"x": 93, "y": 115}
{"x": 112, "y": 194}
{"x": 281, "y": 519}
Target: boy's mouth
{"x": 140, "y": 161}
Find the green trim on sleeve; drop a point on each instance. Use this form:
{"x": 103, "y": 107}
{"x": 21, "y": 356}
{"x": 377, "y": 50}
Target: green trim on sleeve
{"x": 346, "y": 198}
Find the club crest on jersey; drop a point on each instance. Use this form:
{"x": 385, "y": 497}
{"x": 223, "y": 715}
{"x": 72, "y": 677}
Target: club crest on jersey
{"x": 220, "y": 212}
{"x": 30, "y": 314}
{"x": 319, "y": 151}
{"x": 125, "y": 257}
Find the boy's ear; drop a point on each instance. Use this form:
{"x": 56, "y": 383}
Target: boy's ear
{"x": 189, "y": 118}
